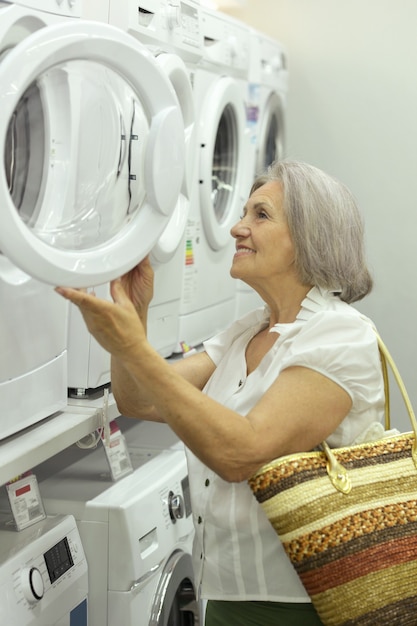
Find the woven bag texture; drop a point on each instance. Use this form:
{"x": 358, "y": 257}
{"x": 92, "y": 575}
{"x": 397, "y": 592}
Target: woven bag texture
{"x": 356, "y": 553}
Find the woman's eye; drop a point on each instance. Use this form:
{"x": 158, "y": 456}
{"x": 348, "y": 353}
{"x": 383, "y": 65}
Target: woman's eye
{"x": 262, "y": 214}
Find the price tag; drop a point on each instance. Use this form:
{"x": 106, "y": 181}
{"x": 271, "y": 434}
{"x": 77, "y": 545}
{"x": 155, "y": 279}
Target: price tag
{"x": 25, "y": 500}
{"x": 117, "y": 453}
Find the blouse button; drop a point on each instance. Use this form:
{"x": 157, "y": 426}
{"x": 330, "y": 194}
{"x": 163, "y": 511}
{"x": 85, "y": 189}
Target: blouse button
{"x": 200, "y": 519}
{"x": 207, "y": 482}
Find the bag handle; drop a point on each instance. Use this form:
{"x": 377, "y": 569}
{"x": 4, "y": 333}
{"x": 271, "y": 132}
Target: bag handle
{"x": 385, "y": 376}
{"x": 337, "y": 473}
{"x": 387, "y": 358}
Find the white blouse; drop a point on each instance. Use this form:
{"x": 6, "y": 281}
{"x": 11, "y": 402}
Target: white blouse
{"x": 237, "y": 555}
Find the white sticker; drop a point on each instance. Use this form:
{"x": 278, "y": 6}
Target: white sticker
{"x": 25, "y": 501}
{"x": 117, "y": 453}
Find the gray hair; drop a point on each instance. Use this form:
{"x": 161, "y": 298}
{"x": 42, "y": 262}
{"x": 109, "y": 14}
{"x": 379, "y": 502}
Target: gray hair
{"x": 326, "y": 228}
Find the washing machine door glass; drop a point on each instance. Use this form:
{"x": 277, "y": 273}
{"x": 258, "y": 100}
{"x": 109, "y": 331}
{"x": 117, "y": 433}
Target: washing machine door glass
{"x": 272, "y": 133}
{"x": 221, "y": 165}
{"x": 93, "y": 153}
{"x": 87, "y": 193}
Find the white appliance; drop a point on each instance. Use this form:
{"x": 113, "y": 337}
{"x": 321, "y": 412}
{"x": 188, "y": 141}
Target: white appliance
{"x": 43, "y": 574}
{"x": 267, "y": 87}
{"x": 137, "y": 534}
{"x": 33, "y": 319}
{"x": 90, "y": 125}
{"x": 270, "y": 71}
{"x": 173, "y": 36}
{"x": 208, "y": 293}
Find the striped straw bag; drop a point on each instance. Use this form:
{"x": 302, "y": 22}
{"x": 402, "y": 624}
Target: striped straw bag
{"x": 347, "y": 518}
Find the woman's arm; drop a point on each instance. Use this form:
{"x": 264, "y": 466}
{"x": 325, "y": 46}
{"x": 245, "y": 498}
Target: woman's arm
{"x": 129, "y": 394}
{"x": 300, "y": 409}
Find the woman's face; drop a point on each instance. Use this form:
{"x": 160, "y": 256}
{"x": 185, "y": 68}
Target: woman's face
{"x": 264, "y": 249}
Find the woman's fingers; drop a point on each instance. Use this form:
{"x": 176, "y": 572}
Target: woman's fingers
{"x": 77, "y": 296}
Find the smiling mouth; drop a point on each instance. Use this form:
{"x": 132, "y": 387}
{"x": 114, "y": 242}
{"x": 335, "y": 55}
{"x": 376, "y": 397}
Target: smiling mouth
{"x": 243, "y": 251}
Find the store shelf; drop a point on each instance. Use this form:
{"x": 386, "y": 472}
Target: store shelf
{"x": 34, "y": 445}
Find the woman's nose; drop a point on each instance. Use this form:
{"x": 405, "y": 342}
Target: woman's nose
{"x": 240, "y": 229}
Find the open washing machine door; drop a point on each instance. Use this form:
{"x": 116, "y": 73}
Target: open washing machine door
{"x": 221, "y": 162}
{"x": 93, "y": 153}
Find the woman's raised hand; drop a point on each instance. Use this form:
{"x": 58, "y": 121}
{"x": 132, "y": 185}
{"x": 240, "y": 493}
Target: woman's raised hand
{"x": 138, "y": 285}
{"x": 116, "y": 325}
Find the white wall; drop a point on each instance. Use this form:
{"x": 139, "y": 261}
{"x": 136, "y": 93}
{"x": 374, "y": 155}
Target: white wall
{"x": 352, "y": 110}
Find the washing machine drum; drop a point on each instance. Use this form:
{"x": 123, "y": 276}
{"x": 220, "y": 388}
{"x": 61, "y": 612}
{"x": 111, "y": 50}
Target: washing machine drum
{"x": 92, "y": 140}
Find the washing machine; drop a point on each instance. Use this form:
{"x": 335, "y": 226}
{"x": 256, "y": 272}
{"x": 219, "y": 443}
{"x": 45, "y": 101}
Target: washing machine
{"x": 137, "y": 533}
{"x": 90, "y": 126}
{"x": 270, "y": 72}
{"x": 267, "y": 94}
{"x": 208, "y": 291}
{"x": 173, "y": 36}
{"x": 33, "y": 356}
{"x": 43, "y": 574}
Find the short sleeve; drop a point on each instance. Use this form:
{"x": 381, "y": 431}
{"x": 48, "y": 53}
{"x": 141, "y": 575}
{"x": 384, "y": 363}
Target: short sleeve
{"x": 342, "y": 346}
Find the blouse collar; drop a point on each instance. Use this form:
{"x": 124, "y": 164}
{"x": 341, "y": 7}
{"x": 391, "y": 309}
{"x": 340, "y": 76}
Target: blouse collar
{"x": 315, "y": 300}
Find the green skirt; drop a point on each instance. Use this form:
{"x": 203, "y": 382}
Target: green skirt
{"x": 224, "y": 613}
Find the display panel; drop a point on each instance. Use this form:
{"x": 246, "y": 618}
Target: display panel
{"x": 58, "y": 560}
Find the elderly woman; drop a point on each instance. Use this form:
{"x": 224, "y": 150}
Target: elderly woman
{"x": 285, "y": 377}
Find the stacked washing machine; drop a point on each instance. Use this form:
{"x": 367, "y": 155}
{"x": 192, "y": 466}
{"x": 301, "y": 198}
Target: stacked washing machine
{"x": 267, "y": 95}
{"x": 137, "y": 533}
{"x": 270, "y": 72}
{"x": 90, "y": 128}
{"x": 33, "y": 319}
{"x": 172, "y": 35}
{"x": 222, "y": 182}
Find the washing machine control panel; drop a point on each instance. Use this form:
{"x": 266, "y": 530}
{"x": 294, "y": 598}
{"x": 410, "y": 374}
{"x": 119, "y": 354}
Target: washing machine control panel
{"x": 43, "y": 572}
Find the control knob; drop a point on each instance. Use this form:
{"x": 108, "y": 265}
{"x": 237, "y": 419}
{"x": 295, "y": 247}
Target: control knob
{"x": 32, "y": 585}
{"x": 175, "y": 506}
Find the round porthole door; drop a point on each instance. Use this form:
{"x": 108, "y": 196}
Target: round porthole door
{"x": 93, "y": 153}
{"x": 221, "y": 160}
{"x": 175, "y": 601}
{"x": 271, "y": 140}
